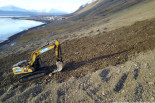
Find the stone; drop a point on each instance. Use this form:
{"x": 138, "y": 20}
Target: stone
{"x": 151, "y": 83}
{"x": 103, "y": 93}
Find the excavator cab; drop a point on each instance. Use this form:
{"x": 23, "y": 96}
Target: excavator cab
{"x": 31, "y": 66}
{"x": 21, "y": 67}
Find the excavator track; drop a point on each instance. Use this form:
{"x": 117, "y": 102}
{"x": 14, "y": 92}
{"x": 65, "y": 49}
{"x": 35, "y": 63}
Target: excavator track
{"x": 32, "y": 76}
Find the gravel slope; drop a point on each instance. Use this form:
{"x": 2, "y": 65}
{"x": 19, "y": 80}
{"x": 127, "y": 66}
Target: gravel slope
{"x": 106, "y": 60}
{"x": 115, "y": 66}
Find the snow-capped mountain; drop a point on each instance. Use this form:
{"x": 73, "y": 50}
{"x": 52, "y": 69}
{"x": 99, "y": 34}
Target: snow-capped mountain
{"x": 12, "y": 8}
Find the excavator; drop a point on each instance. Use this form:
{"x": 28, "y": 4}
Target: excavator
{"x": 32, "y": 66}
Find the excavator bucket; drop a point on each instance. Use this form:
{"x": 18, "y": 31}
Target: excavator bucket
{"x": 59, "y": 66}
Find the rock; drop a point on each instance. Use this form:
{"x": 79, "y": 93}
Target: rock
{"x": 151, "y": 83}
{"x": 122, "y": 66}
{"x": 122, "y": 91}
{"x": 152, "y": 99}
{"x": 118, "y": 71}
{"x": 147, "y": 66}
{"x": 103, "y": 93}
{"x": 137, "y": 64}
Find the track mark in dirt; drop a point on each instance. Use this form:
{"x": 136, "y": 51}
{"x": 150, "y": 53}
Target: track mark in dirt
{"x": 2, "y": 91}
{"x": 36, "y": 90}
{"x": 1, "y": 78}
{"x": 61, "y": 96}
{"x": 136, "y": 73}
{"x": 104, "y": 75}
{"x": 22, "y": 88}
{"x": 138, "y": 93}
{"x": 92, "y": 92}
{"x": 43, "y": 97}
{"x": 9, "y": 95}
{"x": 120, "y": 83}
{"x": 33, "y": 91}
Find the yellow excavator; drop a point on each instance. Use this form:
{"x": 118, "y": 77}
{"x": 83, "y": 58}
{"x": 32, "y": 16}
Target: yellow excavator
{"x": 32, "y": 66}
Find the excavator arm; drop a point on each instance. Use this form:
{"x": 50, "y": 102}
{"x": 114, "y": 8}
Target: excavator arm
{"x": 27, "y": 66}
{"x": 36, "y": 53}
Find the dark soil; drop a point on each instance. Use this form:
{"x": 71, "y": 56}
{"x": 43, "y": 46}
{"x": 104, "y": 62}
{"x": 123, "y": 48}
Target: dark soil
{"x": 88, "y": 54}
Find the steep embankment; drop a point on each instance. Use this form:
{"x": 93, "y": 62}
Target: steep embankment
{"x": 73, "y": 29}
{"x": 106, "y": 59}
{"x": 103, "y": 8}
{"x": 129, "y": 82}
{"x": 86, "y": 55}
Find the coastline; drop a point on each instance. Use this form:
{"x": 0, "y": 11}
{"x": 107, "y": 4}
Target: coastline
{"x": 18, "y": 35}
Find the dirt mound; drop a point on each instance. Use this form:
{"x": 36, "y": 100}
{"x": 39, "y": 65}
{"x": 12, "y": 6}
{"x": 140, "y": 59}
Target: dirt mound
{"x": 129, "y": 82}
{"x": 88, "y": 54}
{"x": 84, "y": 56}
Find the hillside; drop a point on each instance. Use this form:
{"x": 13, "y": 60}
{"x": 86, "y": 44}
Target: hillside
{"x": 106, "y": 59}
{"x": 104, "y": 8}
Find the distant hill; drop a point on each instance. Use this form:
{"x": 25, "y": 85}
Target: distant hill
{"x": 10, "y": 10}
{"x": 16, "y": 11}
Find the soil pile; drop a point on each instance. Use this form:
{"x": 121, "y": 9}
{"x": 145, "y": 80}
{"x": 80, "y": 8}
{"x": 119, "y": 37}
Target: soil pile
{"x": 104, "y": 53}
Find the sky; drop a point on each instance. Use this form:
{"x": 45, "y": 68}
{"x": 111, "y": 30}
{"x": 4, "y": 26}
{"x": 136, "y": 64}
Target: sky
{"x": 64, "y": 5}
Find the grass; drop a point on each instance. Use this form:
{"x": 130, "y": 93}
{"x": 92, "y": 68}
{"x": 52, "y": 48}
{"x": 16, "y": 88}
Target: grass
{"x": 25, "y": 38}
{"x": 33, "y": 34}
{"x": 60, "y": 31}
{"x": 40, "y": 35}
{"x": 67, "y": 28}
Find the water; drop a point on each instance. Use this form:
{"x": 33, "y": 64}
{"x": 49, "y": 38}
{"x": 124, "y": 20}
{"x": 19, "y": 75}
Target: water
{"x": 9, "y": 27}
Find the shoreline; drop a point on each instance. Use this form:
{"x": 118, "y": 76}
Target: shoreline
{"x": 18, "y": 35}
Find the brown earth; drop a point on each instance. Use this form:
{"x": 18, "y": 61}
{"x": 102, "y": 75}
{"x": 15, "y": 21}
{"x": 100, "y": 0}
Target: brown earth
{"x": 95, "y": 52}
{"x": 82, "y": 57}
{"x": 101, "y": 64}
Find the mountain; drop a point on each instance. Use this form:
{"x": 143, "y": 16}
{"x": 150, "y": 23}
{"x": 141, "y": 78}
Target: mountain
{"x": 103, "y": 8}
{"x": 109, "y": 56}
{"x": 10, "y": 10}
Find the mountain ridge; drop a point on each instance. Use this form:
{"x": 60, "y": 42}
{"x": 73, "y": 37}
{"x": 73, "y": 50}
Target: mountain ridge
{"x": 108, "y": 56}
{"x": 13, "y": 10}
{"x": 103, "y": 8}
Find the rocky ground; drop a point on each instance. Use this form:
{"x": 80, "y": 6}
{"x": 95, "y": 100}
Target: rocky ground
{"x": 115, "y": 66}
{"x": 132, "y": 81}
{"x": 104, "y": 61}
